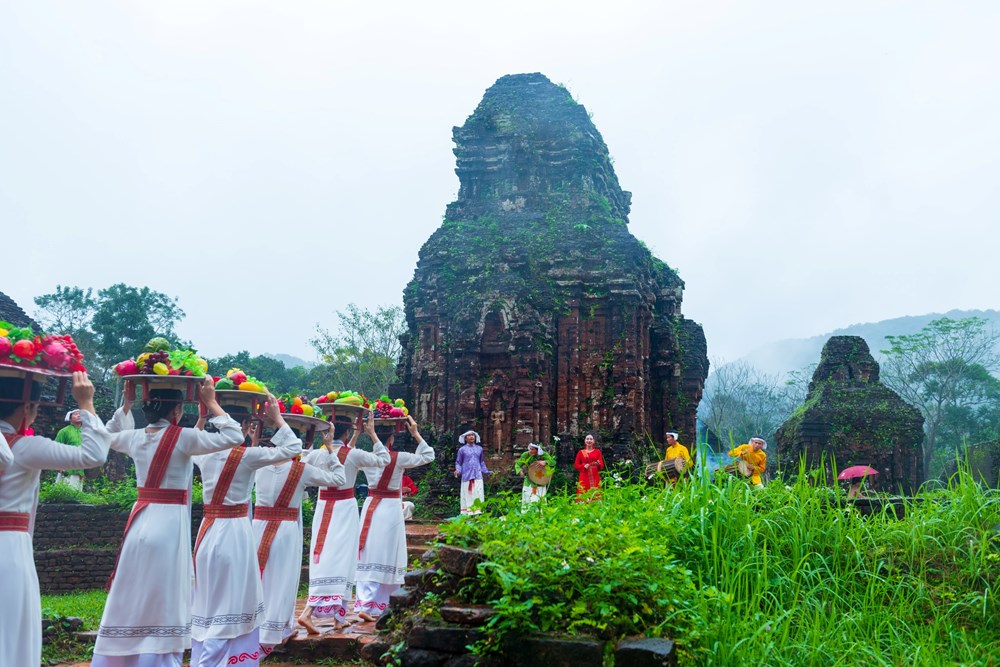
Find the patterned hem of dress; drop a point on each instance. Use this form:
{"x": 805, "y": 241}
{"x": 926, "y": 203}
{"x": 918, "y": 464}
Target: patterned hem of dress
{"x": 324, "y": 599}
{"x": 359, "y": 605}
{"x": 227, "y": 619}
{"x": 380, "y": 567}
{"x": 116, "y": 631}
{"x": 330, "y": 581}
{"x": 276, "y": 626}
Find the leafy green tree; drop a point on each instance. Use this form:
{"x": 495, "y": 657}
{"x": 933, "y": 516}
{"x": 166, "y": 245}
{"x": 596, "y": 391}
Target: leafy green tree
{"x": 742, "y": 401}
{"x": 272, "y": 372}
{"x": 112, "y": 326}
{"x": 946, "y": 371}
{"x": 66, "y": 310}
{"x": 364, "y": 352}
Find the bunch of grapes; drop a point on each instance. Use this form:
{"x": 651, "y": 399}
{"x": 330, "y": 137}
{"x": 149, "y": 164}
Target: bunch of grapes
{"x": 152, "y": 360}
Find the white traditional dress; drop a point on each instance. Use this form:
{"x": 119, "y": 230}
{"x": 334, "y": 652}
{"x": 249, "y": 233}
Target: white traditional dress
{"x": 277, "y": 531}
{"x": 20, "y": 605}
{"x": 147, "y": 617}
{"x": 228, "y": 603}
{"x": 382, "y": 546}
{"x": 6, "y": 456}
{"x": 335, "y": 530}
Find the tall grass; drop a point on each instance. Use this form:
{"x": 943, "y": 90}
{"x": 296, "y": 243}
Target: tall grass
{"x": 785, "y": 575}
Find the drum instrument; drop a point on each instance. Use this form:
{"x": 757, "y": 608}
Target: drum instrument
{"x": 740, "y": 467}
{"x": 670, "y": 469}
{"x": 538, "y": 473}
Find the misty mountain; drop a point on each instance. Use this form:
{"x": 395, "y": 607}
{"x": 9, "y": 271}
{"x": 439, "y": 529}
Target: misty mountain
{"x": 291, "y": 361}
{"x": 780, "y": 357}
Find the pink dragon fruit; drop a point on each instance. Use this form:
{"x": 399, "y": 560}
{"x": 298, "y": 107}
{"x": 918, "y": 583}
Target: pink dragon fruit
{"x": 5, "y": 346}
{"x": 396, "y": 413}
{"x": 127, "y": 367}
{"x": 55, "y": 355}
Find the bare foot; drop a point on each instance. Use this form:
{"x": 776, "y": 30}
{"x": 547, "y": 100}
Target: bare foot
{"x": 311, "y": 629}
{"x": 340, "y": 625}
{"x": 365, "y": 616}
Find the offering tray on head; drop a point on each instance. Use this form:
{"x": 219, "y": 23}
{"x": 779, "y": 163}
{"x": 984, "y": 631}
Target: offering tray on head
{"x": 187, "y": 384}
{"x": 23, "y": 353}
{"x": 307, "y": 426}
{"x": 354, "y": 412}
{"x": 22, "y": 372}
{"x": 251, "y": 401}
{"x": 398, "y": 423}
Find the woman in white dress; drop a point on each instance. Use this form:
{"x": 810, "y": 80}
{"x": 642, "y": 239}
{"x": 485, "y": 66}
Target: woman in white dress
{"x": 21, "y": 612}
{"x": 147, "y": 617}
{"x": 228, "y": 604}
{"x": 335, "y": 530}
{"x": 382, "y": 557}
{"x": 277, "y": 531}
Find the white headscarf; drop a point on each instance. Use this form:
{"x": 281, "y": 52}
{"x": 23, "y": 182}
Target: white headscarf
{"x": 461, "y": 438}
{"x": 541, "y": 452}
{"x": 673, "y": 434}
{"x": 69, "y": 415}
{"x": 760, "y": 440}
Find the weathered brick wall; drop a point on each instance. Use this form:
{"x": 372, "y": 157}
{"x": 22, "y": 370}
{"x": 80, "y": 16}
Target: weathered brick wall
{"x": 75, "y": 545}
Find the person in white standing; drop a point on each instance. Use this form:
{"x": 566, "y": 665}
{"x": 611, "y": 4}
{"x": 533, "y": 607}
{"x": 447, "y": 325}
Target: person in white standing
{"x": 147, "y": 616}
{"x": 228, "y": 603}
{"x": 277, "y": 531}
{"x": 470, "y": 468}
{"x": 25, "y": 458}
{"x": 335, "y": 531}
{"x": 382, "y": 546}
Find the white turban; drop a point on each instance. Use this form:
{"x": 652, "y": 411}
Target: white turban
{"x": 760, "y": 440}
{"x": 541, "y": 451}
{"x": 673, "y": 434}
{"x": 69, "y": 415}
{"x": 461, "y": 438}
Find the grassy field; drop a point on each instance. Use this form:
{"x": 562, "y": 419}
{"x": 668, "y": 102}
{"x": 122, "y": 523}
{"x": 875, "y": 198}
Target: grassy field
{"x": 786, "y": 575}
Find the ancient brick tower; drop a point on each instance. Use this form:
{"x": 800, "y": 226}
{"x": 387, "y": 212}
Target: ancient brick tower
{"x": 850, "y": 415}
{"x": 533, "y": 312}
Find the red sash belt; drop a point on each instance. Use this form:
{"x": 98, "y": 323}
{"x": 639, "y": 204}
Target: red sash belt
{"x": 380, "y": 491}
{"x": 226, "y": 511}
{"x": 331, "y": 496}
{"x": 276, "y": 513}
{"x": 279, "y": 512}
{"x": 14, "y": 521}
{"x": 220, "y": 510}
{"x": 388, "y": 493}
{"x": 162, "y": 496}
{"x": 336, "y": 494}
{"x": 150, "y": 493}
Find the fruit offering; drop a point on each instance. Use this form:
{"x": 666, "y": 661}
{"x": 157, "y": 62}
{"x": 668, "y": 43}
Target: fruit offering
{"x": 157, "y": 358}
{"x": 343, "y": 398}
{"x": 387, "y": 408}
{"x": 237, "y": 379}
{"x": 20, "y": 346}
{"x": 297, "y": 405}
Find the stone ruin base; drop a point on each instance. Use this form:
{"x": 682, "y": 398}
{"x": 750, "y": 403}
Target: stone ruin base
{"x": 445, "y": 642}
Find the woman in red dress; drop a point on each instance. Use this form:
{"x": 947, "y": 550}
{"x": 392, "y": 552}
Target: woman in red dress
{"x": 590, "y": 463}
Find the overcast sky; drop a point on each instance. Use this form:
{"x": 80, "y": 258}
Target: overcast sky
{"x": 804, "y": 165}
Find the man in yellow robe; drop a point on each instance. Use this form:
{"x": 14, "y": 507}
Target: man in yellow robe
{"x": 676, "y": 449}
{"x": 754, "y": 454}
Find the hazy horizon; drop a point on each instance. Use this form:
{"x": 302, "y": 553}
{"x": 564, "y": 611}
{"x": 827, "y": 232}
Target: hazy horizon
{"x": 802, "y": 166}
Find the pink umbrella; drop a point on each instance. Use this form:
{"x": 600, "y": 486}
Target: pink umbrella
{"x": 854, "y": 472}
